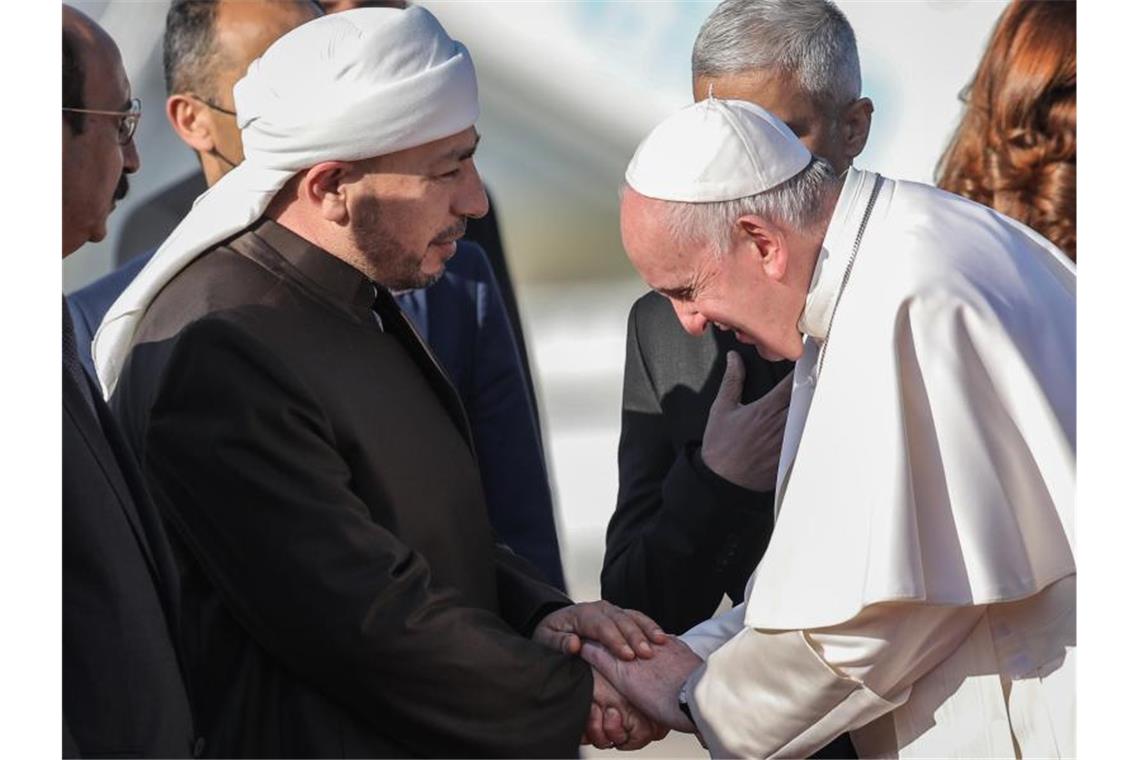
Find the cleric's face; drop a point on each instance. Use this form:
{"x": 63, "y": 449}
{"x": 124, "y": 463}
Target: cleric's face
{"x": 409, "y": 209}
{"x": 732, "y": 291}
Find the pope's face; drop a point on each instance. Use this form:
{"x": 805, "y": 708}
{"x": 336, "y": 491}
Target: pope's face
{"x": 95, "y": 165}
{"x": 818, "y": 127}
{"x": 731, "y": 291}
{"x": 409, "y": 210}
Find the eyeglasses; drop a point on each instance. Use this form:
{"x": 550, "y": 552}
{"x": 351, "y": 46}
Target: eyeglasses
{"x": 128, "y": 120}
{"x": 211, "y": 104}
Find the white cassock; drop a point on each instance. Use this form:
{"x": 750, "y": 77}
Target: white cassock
{"x": 919, "y": 588}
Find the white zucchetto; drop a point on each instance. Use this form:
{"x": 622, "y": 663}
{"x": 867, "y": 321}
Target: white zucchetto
{"x": 343, "y": 87}
{"x": 716, "y": 150}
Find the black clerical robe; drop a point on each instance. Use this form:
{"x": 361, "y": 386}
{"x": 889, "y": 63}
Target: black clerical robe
{"x": 343, "y": 592}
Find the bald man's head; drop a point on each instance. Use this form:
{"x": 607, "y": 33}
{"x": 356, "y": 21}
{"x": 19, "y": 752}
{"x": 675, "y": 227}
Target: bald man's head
{"x": 81, "y": 38}
{"x": 95, "y": 160}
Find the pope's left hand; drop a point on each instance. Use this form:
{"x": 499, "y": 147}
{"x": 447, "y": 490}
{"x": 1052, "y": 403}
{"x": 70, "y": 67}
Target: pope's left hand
{"x": 652, "y": 687}
{"x": 627, "y": 634}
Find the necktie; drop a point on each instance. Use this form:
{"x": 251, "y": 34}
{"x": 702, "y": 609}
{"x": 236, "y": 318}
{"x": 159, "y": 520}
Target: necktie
{"x": 396, "y": 323}
{"x": 71, "y": 363}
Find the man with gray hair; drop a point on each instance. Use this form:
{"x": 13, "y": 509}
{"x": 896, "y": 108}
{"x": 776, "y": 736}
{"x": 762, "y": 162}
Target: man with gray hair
{"x": 693, "y": 518}
{"x": 344, "y": 593}
{"x": 798, "y": 55}
{"x": 928, "y": 458}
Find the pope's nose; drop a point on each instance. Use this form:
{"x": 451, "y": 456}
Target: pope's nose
{"x": 692, "y": 321}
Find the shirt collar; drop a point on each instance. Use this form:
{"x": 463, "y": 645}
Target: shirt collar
{"x": 336, "y": 280}
{"x": 835, "y": 253}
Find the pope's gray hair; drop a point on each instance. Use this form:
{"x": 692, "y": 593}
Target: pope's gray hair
{"x": 797, "y": 204}
{"x": 808, "y": 39}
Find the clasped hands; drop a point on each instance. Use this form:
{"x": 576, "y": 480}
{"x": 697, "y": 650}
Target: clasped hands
{"x": 638, "y": 672}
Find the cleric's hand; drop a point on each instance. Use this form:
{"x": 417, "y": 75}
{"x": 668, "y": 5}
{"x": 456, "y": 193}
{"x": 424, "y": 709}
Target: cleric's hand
{"x": 652, "y": 687}
{"x": 627, "y": 634}
{"x": 614, "y": 722}
{"x": 742, "y": 441}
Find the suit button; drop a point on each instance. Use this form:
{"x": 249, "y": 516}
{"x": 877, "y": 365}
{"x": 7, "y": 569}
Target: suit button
{"x": 199, "y": 747}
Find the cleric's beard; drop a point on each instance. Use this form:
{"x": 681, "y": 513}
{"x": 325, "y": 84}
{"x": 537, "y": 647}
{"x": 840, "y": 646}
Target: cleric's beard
{"x": 389, "y": 262}
{"x": 415, "y": 280}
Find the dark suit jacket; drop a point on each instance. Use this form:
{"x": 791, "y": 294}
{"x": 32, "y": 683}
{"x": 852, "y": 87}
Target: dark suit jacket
{"x": 343, "y": 593}
{"x": 123, "y": 692}
{"x": 682, "y": 537}
{"x": 465, "y": 323}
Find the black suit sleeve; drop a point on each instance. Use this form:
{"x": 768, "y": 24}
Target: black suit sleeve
{"x": 524, "y": 595}
{"x": 681, "y": 536}
{"x": 244, "y": 465}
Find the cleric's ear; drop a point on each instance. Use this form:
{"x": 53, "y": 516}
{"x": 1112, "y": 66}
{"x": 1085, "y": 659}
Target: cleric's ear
{"x": 190, "y": 119}
{"x": 324, "y": 186}
{"x": 764, "y": 241}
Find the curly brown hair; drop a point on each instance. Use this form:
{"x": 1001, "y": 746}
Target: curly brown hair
{"x": 1016, "y": 148}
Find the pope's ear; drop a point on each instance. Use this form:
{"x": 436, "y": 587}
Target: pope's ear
{"x": 188, "y": 118}
{"x": 325, "y": 187}
{"x": 766, "y": 242}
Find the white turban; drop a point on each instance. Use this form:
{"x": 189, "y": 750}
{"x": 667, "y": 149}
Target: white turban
{"x": 342, "y": 87}
{"x": 716, "y": 150}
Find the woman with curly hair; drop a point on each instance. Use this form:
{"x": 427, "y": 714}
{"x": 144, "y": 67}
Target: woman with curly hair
{"x": 1016, "y": 148}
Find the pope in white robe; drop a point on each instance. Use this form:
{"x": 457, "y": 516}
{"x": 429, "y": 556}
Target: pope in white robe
{"x": 928, "y": 459}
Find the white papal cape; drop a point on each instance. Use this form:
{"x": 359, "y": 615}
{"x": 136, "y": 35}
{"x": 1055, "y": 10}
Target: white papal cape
{"x": 928, "y": 464}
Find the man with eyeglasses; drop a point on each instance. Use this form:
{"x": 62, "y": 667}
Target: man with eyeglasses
{"x": 98, "y": 159}
{"x": 123, "y": 691}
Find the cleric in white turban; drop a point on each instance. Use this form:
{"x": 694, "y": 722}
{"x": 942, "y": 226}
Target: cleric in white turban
{"x": 343, "y": 594}
{"x": 928, "y": 459}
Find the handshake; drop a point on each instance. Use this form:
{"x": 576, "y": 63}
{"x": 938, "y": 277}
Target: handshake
{"x": 638, "y": 672}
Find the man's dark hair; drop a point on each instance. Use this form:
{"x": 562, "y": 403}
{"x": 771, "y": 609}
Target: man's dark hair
{"x": 73, "y": 81}
{"x": 188, "y": 47}
{"x": 190, "y": 55}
